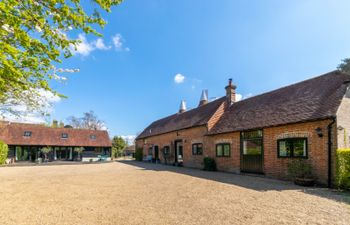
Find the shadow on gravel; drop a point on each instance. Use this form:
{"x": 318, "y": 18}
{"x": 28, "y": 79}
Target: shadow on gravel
{"x": 253, "y": 182}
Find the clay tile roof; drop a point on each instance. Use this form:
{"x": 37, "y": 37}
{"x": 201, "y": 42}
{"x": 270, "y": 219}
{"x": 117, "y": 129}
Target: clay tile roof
{"x": 13, "y": 134}
{"x": 192, "y": 118}
{"x": 312, "y": 99}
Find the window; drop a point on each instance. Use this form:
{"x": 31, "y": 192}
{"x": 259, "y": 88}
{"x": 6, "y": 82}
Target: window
{"x": 150, "y": 152}
{"x": 166, "y": 150}
{"x": 252, "y": 142}
{"x": 64, "y": 135}
{"x": 27, "y": 133}
{"x": 292, "y": 147}
{"x": 197, "y": 149}
{"x": 93, "y": 137}
{"x": 223, "y": 150}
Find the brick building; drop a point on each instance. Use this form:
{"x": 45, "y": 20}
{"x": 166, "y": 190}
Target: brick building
{"x": 307, "y": 120}
{"x": 26, "y": 140}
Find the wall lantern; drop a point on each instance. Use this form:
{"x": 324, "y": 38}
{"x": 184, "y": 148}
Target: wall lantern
{"x": 340, "y": 128}
{"x": 319, "y": 131}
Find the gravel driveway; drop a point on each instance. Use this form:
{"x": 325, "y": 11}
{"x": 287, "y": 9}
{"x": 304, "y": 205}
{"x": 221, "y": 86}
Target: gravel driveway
{"x": 141, "y": 193}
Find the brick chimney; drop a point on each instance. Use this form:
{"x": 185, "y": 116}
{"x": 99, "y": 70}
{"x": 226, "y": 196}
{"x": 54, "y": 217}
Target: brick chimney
{"x": 182, "y": 106}
{"x": 230, "y": 92}
{"x": 204, "y": 98}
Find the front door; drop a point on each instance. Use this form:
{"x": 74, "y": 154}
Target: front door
{"x": 252, "y": 151}
{"x": 178, "y": 152}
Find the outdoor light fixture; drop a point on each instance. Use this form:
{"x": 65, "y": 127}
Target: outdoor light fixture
{"x": 319, "y": 131}
{"x": 340, "y": 128}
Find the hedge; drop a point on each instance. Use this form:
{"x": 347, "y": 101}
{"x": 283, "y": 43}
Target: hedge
{"x": 343, "y": 168}
{"x": 3, "y": 152}
{"x": 139, "y": 154}
{"x": 209, "y": 164}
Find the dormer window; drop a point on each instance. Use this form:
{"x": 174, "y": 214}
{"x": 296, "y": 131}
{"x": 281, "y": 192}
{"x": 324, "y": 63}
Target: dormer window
{"x": 64, "y": 135}
{"x": 93, "y": 137}
{"x": 27, "y": 134}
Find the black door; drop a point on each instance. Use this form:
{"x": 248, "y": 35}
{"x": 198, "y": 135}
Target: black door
{"x": 252, "y": 152}
{"x": 156, "y": 153}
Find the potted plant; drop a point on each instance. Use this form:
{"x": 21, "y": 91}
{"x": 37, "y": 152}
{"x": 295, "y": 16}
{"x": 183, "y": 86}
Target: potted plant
{"x": 45, "y": 151}
{"x": 301, "y": 171}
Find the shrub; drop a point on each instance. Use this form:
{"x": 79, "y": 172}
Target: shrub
{"x": 139, "y": 154}
{"x": 343, "y": 168}
{"x": 209, "y": 164}
{"x": 299, "y": 168}
{"x": 3, "y": 152}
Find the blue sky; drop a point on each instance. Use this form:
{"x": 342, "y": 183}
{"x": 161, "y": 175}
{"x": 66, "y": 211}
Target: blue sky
{"x": 262, "y": 45}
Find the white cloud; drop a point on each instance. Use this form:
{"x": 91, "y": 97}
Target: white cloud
{"x": 130, "y": 139}
{"x": 46, "y": 100}
{"x": 99, "y": 44}
{"x": 238, "y": 97}
{"x": 117, "y": 41}
{"x": 179, "y": 78}
{"x": 83, "y": 48}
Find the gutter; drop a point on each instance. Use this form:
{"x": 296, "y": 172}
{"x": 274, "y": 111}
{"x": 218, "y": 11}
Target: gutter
{"x": 330, "y": 143}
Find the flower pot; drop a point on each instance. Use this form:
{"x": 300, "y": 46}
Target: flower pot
{"x": 306, "y": 182}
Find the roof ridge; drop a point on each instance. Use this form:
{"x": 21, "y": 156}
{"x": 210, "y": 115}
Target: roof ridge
{"x": 8, "y": 123}
{"x": 186, "y": 112}
{"x": 293, "y": 84}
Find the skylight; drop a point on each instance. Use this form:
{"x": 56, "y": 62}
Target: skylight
{"x": 27, "y": 133}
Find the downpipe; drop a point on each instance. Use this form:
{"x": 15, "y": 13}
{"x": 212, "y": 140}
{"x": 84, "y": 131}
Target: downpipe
{"x": 330, "y": 143}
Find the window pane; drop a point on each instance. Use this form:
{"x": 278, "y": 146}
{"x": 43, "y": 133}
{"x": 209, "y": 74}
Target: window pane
{"x": 252, "y": 134}
{"x": 219, "y": 150}
{"x": 284, "y": 148}
{"x": 194, "y": 149}
{"x": 252, "y": 147}
{"x": 200, "y": 149}
{"x": 227, "y": 150}
{"x": 299, "y": 147}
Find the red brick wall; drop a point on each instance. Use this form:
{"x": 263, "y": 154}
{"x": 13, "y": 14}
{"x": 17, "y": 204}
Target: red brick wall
{"x": 273, "y": 166}
{"x": 188, "y": 137}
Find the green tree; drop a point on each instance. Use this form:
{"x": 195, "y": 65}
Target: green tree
{"x": 79, "y": 150}
{"x": 345, "y": 66}
{"x": 34, "y": 36}
{"x": 45, "y": 151}
{"x": 118, "y": 145}
{"x": 3, "y": 152}
{"x": 88, "y": 121}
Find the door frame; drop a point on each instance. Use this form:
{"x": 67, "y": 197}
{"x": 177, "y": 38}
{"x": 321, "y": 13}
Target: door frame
{"x": 262, "y": 152}
{"x": 175, "y": 149}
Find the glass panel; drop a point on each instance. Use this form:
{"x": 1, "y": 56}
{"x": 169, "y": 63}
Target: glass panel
{"x": 200, "y": 149}
{"x": 299, "y": 147}
{"x": 252, "y": 134}
{"x": 252, "y": 147}
{"x": 284, "y": 148}
{"x": 166, "y": 150}
{"x": 227, "y": 150}
{"x": 194, "y": 149}
{"x": 219, "y": 150}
